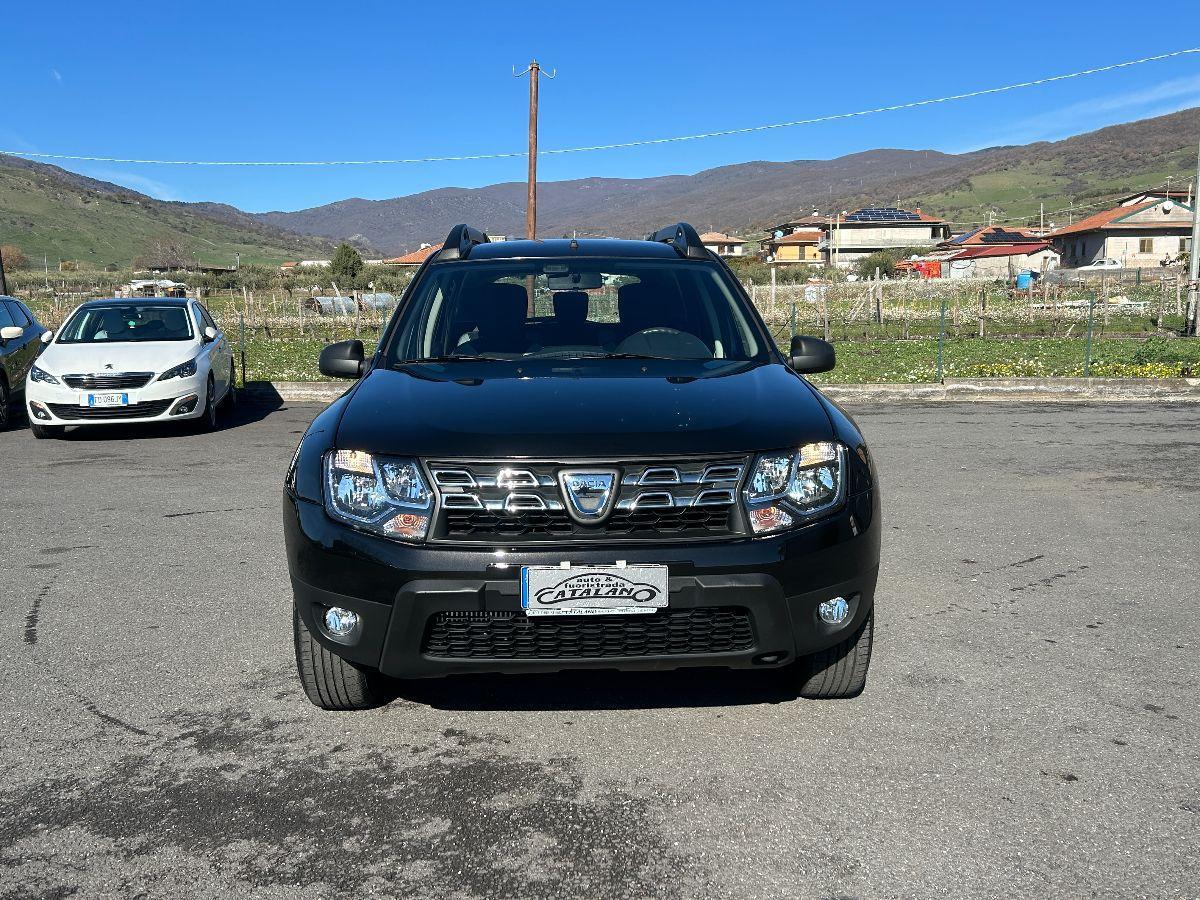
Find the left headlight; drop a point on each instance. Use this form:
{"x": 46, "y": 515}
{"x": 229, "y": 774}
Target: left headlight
{"x": 183, "y": 370}
{"x": 36, "y": 374}
{"x": 791, "y": 487}
{"x": 383, "y": 494}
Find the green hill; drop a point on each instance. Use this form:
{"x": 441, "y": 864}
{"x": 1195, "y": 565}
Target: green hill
{"x": 50, "y": 213}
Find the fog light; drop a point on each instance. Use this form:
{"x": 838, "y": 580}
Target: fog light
{"x": 185, "y": 406}
{"x": 39, "y": 411}
{"x": 834, "y": 612}
{"x": 340, "y": 622}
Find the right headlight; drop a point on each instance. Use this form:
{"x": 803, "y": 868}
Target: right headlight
{"x": 794, "y": 486}
{"x": 383, "y": 494}
{"x": 39, "y": 374}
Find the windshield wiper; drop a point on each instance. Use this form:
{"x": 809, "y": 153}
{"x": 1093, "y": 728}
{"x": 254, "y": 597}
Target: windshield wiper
{"x": 447, "y": 358}
{"x": 636, "y": 356}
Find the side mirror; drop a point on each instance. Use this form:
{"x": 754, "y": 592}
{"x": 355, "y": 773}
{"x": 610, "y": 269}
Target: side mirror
{"x": 47, "y": 337}
{"x": 11, "y": 333}
{"x": 343, "y": 359}
{"x": 810, "y": 354}
{"x": 210, "y": 334}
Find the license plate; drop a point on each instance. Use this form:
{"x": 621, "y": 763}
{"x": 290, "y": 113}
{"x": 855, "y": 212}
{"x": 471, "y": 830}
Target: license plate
{"x": 107, "y": 399}
{"x": 593, "y": 590}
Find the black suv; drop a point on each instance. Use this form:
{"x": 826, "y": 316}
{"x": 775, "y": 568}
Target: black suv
{"x": 579, "y": 454}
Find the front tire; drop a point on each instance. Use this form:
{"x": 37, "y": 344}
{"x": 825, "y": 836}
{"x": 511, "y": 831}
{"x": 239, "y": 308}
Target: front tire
{"x": 208, "y": 419}
{"x": 840, "y": 671}
{"x": 229, "y": 401}
{"x": 331, "y": 682}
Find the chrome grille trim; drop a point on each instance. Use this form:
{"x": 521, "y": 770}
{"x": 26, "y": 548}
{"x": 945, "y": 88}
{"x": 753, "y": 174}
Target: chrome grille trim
{"x": 107, "y": 380}
{"x": 509, "y": 501}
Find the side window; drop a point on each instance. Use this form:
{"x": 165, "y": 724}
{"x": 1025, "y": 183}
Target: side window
{"x": 208, "y": 320}
{"x": 6, "y": 319}
{"x": 18, "y": 315}
{"x": 199, "y": 318}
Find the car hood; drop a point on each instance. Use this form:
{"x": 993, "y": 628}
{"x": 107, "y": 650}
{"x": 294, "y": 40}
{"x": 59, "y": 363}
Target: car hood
{"x": 422, "y": 413}
{"x": 152, "y": 356}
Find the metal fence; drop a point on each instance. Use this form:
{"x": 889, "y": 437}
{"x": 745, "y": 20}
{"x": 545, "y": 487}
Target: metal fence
{"x": 889, "y": 330}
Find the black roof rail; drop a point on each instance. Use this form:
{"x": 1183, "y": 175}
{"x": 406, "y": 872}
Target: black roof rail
{"x": 460, "y": 241}
{"x": 683, "y": 238}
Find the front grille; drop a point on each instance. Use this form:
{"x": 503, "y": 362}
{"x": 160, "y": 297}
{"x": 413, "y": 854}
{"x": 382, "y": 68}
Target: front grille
{"x": 513, "y": 635}
{"x": 679, "y": 522}
{"x": 114, "y": 381}
{"x": 146, "y": 410}
{"x": 524, "y": 502}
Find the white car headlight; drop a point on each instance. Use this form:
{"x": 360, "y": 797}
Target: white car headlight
{"x": 784, "y": 488}
{"x": 38, "y": 374}
{"x": 183, "y": 370}
{"x": 387, "y": 495}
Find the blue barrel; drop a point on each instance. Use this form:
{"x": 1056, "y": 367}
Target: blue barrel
{"x": 1024, "y": 281}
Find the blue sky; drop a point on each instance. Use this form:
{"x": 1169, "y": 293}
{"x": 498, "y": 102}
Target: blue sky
{"x": 260, "y": 80}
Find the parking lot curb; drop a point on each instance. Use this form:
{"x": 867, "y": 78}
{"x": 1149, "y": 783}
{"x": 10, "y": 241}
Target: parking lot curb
{"x": 1057, "y": 390}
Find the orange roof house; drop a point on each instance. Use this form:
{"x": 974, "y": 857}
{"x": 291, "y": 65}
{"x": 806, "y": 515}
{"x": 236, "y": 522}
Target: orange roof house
{"x": 1141, "y": 235}
{"x": 415, "y": 258}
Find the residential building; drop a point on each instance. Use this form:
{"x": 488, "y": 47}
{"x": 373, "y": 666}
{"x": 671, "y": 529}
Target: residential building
{"x": 1000, "y": 260}
{"x": 314, "y": 263}
{"x": 991, "y": 236}
{"x": 1140, "y": 234}
{"x": 858, "y": 234}
{"x": 723, "y": 244}
{"x": 415, "y": 258}
{"x": 802, "y": 246}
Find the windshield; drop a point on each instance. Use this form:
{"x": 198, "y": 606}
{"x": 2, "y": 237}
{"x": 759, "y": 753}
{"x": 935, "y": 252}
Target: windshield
{"x": 127, "y": 323}
{"x": 576, "y": 309}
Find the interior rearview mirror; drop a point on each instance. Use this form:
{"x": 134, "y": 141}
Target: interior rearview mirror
{"x": 343, "y": 359}
{"x": 810, "y": 355}
{"x": 10, "y": 333}
{"x": 210, "y": 334}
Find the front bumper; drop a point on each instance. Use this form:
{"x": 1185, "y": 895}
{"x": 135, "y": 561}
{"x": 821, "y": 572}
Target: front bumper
{"x": 401, "y": 591}
{"x": 58, "y": 404}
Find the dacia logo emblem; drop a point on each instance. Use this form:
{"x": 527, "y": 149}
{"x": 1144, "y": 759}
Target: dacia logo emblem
{"x": 589, "y": 493}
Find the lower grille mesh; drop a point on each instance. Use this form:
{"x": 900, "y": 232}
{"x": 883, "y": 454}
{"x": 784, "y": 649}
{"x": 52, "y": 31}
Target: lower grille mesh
{"x": 133, "y": 411}
{"x": 513, "y": 635}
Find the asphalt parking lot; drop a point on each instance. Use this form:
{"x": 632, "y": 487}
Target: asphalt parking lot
{"x": 1029, "y": 728}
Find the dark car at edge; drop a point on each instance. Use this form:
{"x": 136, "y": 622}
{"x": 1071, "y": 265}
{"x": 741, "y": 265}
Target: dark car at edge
{"x": 579, "y": 454}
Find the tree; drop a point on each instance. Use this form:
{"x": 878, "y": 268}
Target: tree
{"x": 13, "y": 258}
{"x": 347, "y": 264}
{"x": 884, "y": 260}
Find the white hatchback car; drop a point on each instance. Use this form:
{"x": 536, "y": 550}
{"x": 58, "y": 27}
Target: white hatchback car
{"x": 131, "y": 360}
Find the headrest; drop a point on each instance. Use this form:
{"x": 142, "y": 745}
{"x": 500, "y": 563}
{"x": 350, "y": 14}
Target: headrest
{"x": 571, "y": 306}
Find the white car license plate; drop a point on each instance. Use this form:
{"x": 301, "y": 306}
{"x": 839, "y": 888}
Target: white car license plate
{"x": 593, "y": 590}
{"x": 107, "y": 400}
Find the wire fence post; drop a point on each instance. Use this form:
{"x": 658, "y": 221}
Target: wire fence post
{"x": 242, "y": 345}
{"x": 941, "y": 338}
{"x": 1087, "y": 355}
{"x": 793, "y": 318}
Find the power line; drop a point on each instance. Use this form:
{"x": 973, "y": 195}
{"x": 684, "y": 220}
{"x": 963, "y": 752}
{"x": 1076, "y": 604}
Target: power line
{"x": 615, "y": 146}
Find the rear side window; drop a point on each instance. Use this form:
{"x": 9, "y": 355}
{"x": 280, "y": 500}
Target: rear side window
{"x": 6, "y": 319}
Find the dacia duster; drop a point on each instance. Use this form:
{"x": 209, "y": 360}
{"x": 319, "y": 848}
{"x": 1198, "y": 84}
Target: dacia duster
{"x": 579, "y": 454}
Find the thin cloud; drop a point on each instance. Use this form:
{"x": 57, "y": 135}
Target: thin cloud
{"x": 56, "y": 75}
{"x": 159, "y": 190}
{"x": 1097, "y": 112}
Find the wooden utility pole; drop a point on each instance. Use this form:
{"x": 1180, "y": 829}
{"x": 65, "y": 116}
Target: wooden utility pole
{"x": 534, "y": 71}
